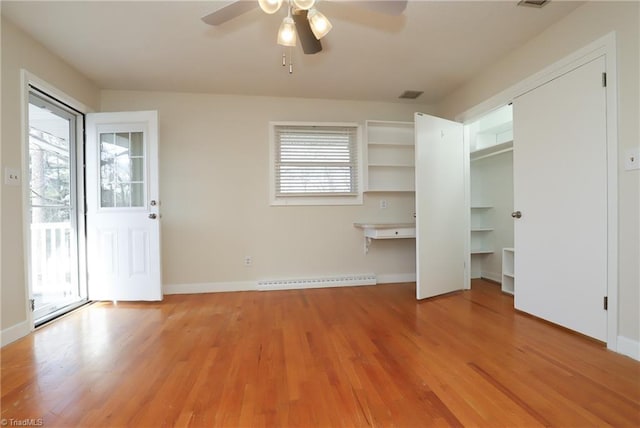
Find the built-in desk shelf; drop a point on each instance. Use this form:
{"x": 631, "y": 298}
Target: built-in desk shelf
{"x": 386, "y": 231}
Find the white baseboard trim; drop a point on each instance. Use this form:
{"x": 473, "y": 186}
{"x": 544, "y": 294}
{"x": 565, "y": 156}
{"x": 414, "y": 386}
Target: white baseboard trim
{"x": 289, "y": 284}
{"x": 393, "y": 278}
{"x": 497, "y": 277}
{"x": 209, "y": 287}
{"x": 15, "y": 332}
{"x": 629, "y": 347}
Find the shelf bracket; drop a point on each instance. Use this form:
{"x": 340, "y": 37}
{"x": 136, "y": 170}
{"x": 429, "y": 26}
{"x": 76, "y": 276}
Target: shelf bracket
{"x": 367, "y": 243}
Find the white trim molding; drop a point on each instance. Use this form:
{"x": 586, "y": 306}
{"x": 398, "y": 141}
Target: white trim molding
{"x": 396, "y": 278}
{"x": 209, "y": 287}
{"x": 347, "y": 280}
{"x": 493, "y": 276}
{"x": 15, "y": 332}
{"x": 629, "y": 347}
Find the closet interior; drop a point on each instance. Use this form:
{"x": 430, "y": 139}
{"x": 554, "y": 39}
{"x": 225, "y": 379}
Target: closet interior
{"x": 491, "y": 197}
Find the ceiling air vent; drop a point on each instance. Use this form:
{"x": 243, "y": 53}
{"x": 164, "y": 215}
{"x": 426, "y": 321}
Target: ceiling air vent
{"x": 533, "y": 3}
{"x": 410, "y": 95}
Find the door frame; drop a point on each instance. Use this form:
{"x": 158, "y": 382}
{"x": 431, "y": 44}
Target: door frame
{"x": 27, "y": 81}
{"x": 602, "y": 47}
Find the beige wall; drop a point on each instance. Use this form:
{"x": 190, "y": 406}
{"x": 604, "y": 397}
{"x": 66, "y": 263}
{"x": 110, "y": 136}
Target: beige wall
{"x": 19, "y": 51}
{"x": 214, "y": 169}
{"x": 584, "y": 25}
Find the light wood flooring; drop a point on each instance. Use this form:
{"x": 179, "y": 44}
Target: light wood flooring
{"x": 343, "y": 357}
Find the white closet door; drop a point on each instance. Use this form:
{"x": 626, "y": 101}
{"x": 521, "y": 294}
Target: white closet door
{"x": 560, "y": 187}
{"x": 440, "y": 206}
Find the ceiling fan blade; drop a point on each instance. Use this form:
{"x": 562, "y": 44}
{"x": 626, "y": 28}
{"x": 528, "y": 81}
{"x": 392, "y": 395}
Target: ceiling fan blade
{"x": 310, "y": 45}
{"x": 388, "y": 7}
{"x": 230, "y": 11}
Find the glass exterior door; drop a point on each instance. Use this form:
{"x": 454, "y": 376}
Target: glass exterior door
{"x": 53, "y": 258}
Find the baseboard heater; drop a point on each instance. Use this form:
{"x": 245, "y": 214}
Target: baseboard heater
{"x": 322, "y": 282}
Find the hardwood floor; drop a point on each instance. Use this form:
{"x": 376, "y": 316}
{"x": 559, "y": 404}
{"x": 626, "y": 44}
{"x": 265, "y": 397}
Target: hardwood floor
{"x": 362, "y": 356}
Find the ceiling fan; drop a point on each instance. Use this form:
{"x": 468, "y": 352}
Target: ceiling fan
{"x": 303, "y": 20}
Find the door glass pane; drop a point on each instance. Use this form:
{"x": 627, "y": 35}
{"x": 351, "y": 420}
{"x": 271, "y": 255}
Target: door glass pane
{"x": 123, "y": 195}
{"x": 137, "y": 195}
{"x": 53, "y": 256}
{"x": 122, "y": 170}
{"x": 137, "y": 170}
{"x": 136, "y": 144}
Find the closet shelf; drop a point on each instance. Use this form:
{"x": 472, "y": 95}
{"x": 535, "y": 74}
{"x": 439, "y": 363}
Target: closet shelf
{"x": 482, "y": 251}
{"x": 482, "y": 229}
{"x": 492, "y": 150}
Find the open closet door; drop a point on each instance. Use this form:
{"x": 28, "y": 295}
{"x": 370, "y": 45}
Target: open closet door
{"x": 560, "y": 185}
{"x": 123, "y": 220}
{"x": 440, "y": 206}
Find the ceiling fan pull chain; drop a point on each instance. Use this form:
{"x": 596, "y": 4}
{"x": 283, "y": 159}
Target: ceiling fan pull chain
{"x": 290, "y": 60}
{"x": 284, "y": 59}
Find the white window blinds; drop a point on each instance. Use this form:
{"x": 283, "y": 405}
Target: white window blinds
{"x": 316, "y": 160}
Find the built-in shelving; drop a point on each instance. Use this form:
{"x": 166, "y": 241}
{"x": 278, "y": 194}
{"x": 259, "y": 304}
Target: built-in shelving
{"x": 492, "y": 134}
{"x": 481, "y": 251}
{"x": 508, "y": 272}
{"x": 480, "y": 230}
{"x": 492, "y": 150}
{"x": 488, "y": 136}
{"x": 389, "y": 156}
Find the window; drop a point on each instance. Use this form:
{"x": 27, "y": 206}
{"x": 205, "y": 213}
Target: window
{"x": 122, "y": 169}
{"x": 315, "y": 164}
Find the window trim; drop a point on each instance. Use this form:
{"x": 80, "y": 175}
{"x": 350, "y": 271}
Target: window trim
{"x": 275, "y": 200}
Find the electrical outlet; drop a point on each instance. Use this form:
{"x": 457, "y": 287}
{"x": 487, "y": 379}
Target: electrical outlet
{"x": 632, "y": 159}
{"x": 248, "y": 261}
{"x": 383, "y": 204}
{"x": 12, "y": 176}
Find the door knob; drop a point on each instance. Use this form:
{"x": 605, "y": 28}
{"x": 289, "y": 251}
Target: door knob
{"x": 153, "y": 216}
{"x": 516, "y": 214}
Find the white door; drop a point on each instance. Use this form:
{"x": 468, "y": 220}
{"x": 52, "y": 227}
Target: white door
{"x": 123, "y": 220}
{"x": 440, "y": 206}
{"x": 560, "y": 188}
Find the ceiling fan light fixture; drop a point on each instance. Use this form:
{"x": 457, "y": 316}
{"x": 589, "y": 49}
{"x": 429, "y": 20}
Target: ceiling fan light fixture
{"x": 270, "y": 6}
{"x": 287, "y": 32}
{"x": 304, "y": 4}
{"x": 319, "y": 23}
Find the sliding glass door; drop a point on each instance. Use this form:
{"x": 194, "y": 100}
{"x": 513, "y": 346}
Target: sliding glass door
{"x": 54, "y": 257}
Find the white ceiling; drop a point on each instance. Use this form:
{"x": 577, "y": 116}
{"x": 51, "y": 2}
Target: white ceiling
{"x": 434, "y": 47}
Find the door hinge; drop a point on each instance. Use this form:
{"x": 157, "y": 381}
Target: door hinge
{"x": 604, "y": 80}
{"x": 606, "y": 303}
{"x": 32, "y": 304}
